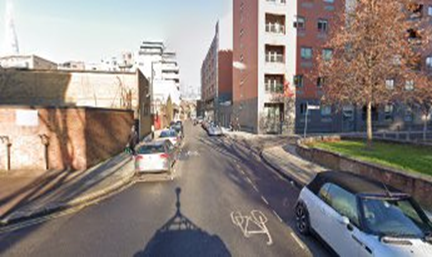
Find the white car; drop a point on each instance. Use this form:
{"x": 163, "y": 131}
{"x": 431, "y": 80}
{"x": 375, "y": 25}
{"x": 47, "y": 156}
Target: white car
{"x": 360, "y": 217}
{"x": 155, "y": 157}
{"x": 214, "y": 130}
{"x": 172, "y": 136}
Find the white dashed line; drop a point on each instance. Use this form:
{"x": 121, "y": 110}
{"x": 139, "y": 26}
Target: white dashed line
{"x": 249, "y": 180}
{"x": 265, "y": 200}
{"x": 277, "y": 216}
{"x": 297, "y": 240}
{"x": 255, "y": 188}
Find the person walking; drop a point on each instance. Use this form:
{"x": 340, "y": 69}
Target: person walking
{"x": 133, "y": 140}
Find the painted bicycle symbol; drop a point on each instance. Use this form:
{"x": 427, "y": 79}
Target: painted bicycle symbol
{"x": 253, "y": 224}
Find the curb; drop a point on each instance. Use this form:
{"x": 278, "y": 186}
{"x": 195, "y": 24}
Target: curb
{"x": 299, "y": 184}
{"x": 79, "y": 202}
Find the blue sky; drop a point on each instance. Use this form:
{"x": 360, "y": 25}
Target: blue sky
{"x": 89, "y": 30}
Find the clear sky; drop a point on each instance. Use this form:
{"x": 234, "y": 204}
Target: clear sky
{"x": 88, "y": 30}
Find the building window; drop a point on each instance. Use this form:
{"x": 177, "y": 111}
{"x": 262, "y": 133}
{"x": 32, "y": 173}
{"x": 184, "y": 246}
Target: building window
{"x": 274, "y": 83}
{"x": 306, "y": 53}
{"x": 430, "y": 10}
{"x": 409, "y": 85}
{"x": 326, "y": 110}
{"x": 299, "y": 23}
{"x": 429, "y": 62}
{"x": 303, "y": 108}
{"x": 241, "y": 32}
{"x": 390, "y": 84}
{"x": 298, "y": 80}
{"x": 320, "y": 82}
{"x": 327, "y": 54}
{"x": 329, "y": 1}
{"x": 388, "y": 110}
{"x": 322, "y": 25}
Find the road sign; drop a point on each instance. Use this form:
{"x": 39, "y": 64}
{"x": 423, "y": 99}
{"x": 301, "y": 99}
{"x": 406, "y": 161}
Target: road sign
{"x": 313, "y": 107}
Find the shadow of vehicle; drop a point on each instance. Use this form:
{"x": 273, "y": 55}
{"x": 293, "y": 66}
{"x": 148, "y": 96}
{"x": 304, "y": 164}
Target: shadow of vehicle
{"x": 181, "y": 237}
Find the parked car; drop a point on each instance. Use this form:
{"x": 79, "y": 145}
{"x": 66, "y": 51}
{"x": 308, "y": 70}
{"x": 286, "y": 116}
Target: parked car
{"x": 171, "y": 135}
{"x": 205, "y": 124}
{"x": 156, "y": 156}
{"x": 356, "y": 216}
{"x": 178, "y": 127}
{"x": 214, "y": 130}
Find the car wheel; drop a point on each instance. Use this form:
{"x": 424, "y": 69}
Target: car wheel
{"x": 302, "y": 219}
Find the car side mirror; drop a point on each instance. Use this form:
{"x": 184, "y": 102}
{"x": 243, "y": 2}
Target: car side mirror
{"x": 344, "y": 221}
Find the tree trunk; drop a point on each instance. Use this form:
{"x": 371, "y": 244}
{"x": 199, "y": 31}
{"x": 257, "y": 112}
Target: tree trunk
{"x": 369, "y": 125}
{"x": 425, "y": 127}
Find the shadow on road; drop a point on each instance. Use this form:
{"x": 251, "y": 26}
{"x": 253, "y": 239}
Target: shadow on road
{"x": 181, "y": 237}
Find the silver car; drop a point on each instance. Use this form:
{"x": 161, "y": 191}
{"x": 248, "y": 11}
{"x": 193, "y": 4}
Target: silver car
{"x": 356, "y": 216}
{"x": 172, "y": 136}
{"x": 155, "y": 157}
{"x": 214, "y": 130}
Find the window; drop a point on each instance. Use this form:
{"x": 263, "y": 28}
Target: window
{"x": 328, "y": 1}
{"x": 326, "y": 110}
{"x": 274, "y": 83}
{"x": 390, "y": 84}
{"x": 299, "y": 23}
{"x": 429, "y": 62}
{"x": 344, "y": 203}
{"x": 430, "y": 10}
{"x": 322, "y": 25}
{"x": 388, "y": 110}
{"x": 306, "y": 53}
{"x": 241, "y": 32}
{"x": 323, "y": 193}
{"x": 327, "y": 54}
{"x": 298, "y": 80}
{"x": 409, "y": 85}
{"x": 320, "y": 81}
{"x": 303, "y": 108}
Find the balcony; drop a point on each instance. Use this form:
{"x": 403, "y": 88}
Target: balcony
{"x": 274, "y": 58}
{"x": 276, "y": 1}
{"x": 275, "y": 28}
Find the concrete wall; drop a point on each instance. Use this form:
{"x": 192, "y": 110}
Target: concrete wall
{"x": 418, "y": 185}
{"x": 76, "y": 138}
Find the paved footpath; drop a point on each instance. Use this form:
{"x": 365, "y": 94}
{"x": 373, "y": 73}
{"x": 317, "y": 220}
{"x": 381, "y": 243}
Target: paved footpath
{"x": 29, "y": 196}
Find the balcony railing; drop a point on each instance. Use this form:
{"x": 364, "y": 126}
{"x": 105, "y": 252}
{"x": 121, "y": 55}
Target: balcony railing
{"x": 275, "y": 28}
{"x": 272, "y": 57}
{"x": 274, "y": 88}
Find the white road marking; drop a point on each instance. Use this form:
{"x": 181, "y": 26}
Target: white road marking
{"x": 277, "y": 216}
{"x": 257, "y": 220}
{"x": 299, "y": 242}
{"x": 249, "y": 180}
{"x": 256, "y": 188}
{"x": 265, "y": 200}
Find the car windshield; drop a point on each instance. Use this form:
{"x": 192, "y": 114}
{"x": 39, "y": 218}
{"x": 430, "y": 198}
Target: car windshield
{"x": 151, "y": 149}
{"x": 170, "y": 133}
{"x": 394, "y": 217}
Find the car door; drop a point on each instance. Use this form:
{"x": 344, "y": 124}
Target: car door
{"x": 341, "y": 235}
{"x": 317, "y": 206}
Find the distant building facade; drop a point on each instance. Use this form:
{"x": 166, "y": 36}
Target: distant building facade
{"x": 216, "y": 82}
{"x": 31, "y": 62}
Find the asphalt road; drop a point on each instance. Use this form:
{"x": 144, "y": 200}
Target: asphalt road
{"x": 223, "y": 202}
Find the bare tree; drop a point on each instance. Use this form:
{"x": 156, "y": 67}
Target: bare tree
{"x": 374, "y": 51}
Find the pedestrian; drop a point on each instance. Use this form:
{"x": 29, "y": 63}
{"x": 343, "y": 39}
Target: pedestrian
{"x": 133, "y": 140}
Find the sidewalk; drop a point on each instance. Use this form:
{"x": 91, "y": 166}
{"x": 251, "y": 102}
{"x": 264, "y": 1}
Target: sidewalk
{"x": 286, "y": 161}
{"x": 32, "y": 194}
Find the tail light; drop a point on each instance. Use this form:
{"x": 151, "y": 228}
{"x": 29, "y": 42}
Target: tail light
{"x": 164, "y": 156}
{"x": 139, "y": 157}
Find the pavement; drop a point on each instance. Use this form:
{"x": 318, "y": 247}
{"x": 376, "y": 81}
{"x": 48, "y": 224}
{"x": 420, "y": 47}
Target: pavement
{"x": 224, "y": 201}
{"x": 27, "y": 195}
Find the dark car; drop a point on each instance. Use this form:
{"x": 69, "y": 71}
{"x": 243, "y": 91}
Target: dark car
{"x": 356, "y": 216}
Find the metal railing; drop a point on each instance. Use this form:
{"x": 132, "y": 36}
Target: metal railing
{"x": 277, "y": 58}
{"x": 275, "y": 28}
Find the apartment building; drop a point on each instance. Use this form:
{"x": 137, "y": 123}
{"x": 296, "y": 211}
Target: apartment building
{"x": 264, "y": 55}
{"x": 216, "y": 82}
{"x": 275, "y": 78}
{"x": 30, "y": 62}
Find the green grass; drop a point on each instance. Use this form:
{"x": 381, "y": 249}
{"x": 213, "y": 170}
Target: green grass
{"x": 405, "y": 157}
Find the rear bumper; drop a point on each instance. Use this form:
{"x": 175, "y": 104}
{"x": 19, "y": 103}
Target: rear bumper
{"x": 140, "y": 172}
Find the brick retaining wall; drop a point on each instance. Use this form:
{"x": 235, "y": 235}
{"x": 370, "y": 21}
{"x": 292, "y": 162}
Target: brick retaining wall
{"x": 418, "y": 185}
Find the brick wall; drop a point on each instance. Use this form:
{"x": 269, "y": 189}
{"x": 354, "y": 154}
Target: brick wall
{"x": 417, "y": 185}
{"x": 112, "y": 90}
{"x": 78, "y": 137}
